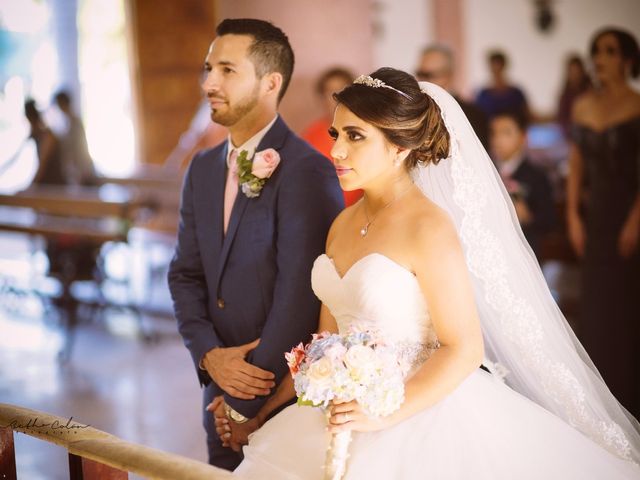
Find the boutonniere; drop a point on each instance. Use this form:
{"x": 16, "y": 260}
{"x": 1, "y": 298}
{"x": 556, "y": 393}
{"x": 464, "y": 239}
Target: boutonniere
{"x": 515, "y": 189}
{"x": 254, "y": 172}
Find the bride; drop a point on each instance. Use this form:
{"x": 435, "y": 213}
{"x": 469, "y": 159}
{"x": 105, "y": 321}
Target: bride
{"x": 433, "y": 257}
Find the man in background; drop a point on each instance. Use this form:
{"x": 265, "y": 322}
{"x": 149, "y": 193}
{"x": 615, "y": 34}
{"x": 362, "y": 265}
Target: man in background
{"x": 73, "y": 144}
{"x": 436, "y": 65}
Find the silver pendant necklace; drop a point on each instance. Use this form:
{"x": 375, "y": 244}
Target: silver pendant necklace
{"x": 364, "y": 230}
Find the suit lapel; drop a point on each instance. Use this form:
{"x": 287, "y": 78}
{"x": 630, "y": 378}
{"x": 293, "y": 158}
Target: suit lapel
{"x": 274, "y": 138}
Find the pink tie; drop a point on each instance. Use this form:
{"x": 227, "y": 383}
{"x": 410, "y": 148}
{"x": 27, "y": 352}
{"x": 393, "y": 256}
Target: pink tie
{"x": 231, "y": 188}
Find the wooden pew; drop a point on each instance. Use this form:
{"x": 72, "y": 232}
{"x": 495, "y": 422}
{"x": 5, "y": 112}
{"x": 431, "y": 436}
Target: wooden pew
{"x": 84, "y": 202}
{"x": 162, "y": 190}
{"x": 83, "y": 218}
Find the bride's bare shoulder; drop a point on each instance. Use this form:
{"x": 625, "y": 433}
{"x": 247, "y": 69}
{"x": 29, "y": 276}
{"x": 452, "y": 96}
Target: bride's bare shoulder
{"x": 341, "y": 221}
{"x": 433, "y": 230}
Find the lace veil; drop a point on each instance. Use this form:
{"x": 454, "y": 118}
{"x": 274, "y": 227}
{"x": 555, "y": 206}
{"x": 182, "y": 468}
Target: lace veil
{"x": 526, "y": 336}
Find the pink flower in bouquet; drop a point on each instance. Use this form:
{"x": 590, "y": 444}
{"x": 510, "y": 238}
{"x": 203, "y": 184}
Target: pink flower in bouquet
{"x": 295, "y": 358}
{"x": 265, "y": 162}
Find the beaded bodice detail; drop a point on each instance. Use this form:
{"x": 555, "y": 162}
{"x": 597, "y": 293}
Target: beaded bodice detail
{"x": 378, "y": 294}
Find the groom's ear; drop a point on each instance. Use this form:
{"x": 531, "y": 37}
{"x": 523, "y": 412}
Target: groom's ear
{"x": 272, "y": 83}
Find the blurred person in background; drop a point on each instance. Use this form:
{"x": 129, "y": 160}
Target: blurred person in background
{"x": 70, "y": 257}
{"x": 501, "y": 95}
{"x": 436, "y": 65}
{"x": 330, "y": 82}
{"x": 527, "y": 184}
{"x": 603, "y": 212}
{"x": 73, "y": 144}
{"x": 576, "y": 83}
{"x": 50, "y": 161}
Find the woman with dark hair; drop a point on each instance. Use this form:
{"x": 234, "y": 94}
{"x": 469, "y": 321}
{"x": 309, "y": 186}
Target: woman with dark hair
{"x": 576, "y": 83}
{"x": 603, "y": 213}
{"x": 501, "y": 95}
{"x": 330, "y": 82}
{"x": 433, "y": 258}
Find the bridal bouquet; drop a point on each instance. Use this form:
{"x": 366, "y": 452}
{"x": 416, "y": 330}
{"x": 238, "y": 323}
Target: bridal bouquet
{"x": 354, "y": 366}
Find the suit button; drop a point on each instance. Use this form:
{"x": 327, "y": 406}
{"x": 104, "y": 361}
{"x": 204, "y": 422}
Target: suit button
{"x": 220, "y": 303}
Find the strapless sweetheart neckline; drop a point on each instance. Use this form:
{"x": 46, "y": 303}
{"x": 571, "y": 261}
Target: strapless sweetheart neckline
{"x": 362, "y": 260}
{"x": 613, "y": 126}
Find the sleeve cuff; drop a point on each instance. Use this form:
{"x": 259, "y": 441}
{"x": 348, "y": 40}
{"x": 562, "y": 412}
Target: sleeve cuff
{"x": 201, "y": 362}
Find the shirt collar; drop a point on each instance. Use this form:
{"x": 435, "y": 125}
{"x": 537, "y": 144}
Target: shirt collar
{"x": 509, "y": 167}
{"x": 250, "y": 145}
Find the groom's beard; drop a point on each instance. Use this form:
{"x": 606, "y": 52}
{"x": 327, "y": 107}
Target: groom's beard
{"x": 235, "y": 113}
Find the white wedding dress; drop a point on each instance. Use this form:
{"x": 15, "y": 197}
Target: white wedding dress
{"x": 483, "y": 430}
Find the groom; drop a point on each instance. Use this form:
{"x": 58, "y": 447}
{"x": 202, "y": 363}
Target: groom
{"x": 240, "y": 278}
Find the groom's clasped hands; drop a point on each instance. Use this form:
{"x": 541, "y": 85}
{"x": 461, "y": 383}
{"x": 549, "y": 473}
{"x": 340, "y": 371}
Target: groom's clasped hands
{"x": 232, "y": 434}
{"x": 228, "y": 368}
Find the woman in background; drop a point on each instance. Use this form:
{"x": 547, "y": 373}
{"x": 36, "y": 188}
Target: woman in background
{"x": 603, "y": 209}
{"x": 576, "y": 83}
{"x": 50, "y": 166}
{"x": 330, "y": 82}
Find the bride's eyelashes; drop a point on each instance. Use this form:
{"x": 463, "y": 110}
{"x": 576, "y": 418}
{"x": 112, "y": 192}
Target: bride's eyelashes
{"x": 352, "y": 134}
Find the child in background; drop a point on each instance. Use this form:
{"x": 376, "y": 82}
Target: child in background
{"x": 527, "y": 184}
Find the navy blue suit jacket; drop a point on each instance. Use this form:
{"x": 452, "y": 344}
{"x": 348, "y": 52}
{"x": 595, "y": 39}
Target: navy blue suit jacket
{"x": 539, "y": 199}
{"x": 255, "y": 281}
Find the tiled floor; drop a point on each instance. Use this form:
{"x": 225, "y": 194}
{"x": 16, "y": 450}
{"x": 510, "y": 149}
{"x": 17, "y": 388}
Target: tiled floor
{"x": 142, "y": 392}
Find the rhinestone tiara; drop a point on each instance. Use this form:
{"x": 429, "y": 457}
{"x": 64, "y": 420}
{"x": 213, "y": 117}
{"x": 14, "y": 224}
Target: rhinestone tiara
{"x": 377, "y": 83}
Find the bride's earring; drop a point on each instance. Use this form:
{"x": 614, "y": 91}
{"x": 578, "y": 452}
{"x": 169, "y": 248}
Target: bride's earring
{"x": 397, "y": 162}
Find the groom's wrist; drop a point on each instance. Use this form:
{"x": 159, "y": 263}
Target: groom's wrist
{"x": 201, "y": 364}
{"x": 233, "y": 415}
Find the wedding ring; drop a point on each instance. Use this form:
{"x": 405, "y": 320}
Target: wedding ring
{"x": 346, "y": 417}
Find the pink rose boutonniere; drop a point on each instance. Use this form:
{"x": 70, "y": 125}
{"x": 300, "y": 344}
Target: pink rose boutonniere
{"x": 514, "y": 188}
{"x": 254, "y": 172}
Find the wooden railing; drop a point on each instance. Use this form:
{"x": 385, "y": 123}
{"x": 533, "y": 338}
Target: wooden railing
{"x": 93, "y": 454}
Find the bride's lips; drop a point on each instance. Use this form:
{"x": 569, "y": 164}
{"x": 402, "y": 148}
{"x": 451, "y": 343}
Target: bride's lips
{"x": 343, "y": 170}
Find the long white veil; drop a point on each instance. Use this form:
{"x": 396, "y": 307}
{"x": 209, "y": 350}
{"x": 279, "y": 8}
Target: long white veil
{"x": 524, "y": 331}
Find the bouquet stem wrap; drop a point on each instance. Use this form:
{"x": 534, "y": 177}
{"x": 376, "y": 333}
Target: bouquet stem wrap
{"x": 335, "y": 463}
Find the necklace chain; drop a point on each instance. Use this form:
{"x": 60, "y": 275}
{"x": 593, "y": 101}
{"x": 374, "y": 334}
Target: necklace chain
{"x": 364, "y": 230}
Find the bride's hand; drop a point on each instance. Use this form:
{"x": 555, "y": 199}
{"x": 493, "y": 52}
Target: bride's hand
{"x": 350, "y": 416}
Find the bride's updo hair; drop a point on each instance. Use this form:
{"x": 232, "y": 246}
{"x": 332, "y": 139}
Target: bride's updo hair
{"x": 413, "y": 122}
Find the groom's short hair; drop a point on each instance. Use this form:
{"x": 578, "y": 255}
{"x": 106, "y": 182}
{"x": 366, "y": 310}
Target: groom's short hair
{"x": 270, "y": 50}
